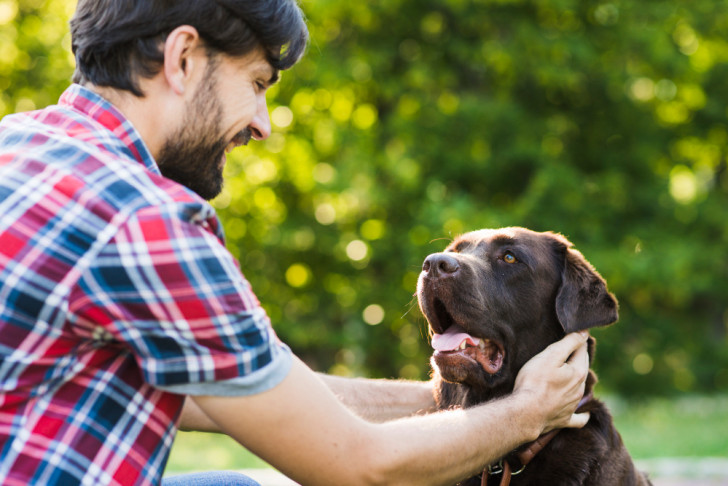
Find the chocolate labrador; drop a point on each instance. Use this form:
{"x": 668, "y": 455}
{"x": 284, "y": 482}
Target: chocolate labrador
{"x": 495, "y": 298}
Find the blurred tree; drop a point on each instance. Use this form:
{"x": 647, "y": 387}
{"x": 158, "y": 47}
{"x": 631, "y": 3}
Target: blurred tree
{"x": 410, "y": 121}
{"x": 35, "y": 53}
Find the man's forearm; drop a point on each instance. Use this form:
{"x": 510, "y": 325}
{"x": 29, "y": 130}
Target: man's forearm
{"x": 380, "y": 400}
{"x": 372, "y": 399}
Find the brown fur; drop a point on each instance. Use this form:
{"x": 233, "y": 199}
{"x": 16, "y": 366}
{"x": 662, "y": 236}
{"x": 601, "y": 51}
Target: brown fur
{"x": 524, "y": 306}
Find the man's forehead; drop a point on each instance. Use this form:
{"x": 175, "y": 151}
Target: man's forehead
{"x": 256, "y": 63}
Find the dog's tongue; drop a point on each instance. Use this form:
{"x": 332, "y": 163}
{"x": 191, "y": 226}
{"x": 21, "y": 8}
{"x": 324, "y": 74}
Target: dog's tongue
{"x": 451, "y": 339}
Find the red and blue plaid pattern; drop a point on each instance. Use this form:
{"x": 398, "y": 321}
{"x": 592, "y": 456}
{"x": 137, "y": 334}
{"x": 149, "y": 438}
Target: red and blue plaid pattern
{"x": 117, "y": 297}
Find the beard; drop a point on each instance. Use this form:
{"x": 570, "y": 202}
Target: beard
{"x": 194, "y": 155}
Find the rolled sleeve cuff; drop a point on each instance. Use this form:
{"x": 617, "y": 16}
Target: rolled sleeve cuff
{"x": 258, "y": 381}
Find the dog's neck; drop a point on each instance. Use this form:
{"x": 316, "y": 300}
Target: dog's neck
{"x": 517, "y": 461}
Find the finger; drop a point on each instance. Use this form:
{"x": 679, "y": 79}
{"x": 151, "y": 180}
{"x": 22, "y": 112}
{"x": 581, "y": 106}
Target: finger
{"x": 580, "y": 357}
{"x": 565, "y": 347}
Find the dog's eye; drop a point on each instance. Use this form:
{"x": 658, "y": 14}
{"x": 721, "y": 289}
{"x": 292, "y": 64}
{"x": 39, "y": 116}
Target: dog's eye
{"x": 509, "y": 257}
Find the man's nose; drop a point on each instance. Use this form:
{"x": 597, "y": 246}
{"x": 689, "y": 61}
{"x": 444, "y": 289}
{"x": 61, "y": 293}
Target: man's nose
{"x": 260, "y": 125}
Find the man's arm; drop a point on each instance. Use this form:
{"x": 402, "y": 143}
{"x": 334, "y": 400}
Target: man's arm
{"x": 380, "y": 400}
{"x": 376, "y": 400}
{"x": 301, "y": 428}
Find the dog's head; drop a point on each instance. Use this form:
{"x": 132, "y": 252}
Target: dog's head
{"x": 495, "y": 298}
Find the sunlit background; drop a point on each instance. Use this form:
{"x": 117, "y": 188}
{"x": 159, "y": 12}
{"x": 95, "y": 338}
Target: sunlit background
{"x": 410, "y": 121}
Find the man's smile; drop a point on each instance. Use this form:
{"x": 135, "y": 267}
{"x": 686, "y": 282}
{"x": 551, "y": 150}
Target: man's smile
{"x": 241, "y": 138}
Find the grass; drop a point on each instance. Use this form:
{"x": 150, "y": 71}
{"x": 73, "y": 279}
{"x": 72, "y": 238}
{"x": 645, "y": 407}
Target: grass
{"x": 691, "y": 426}
{"x": 198, "y": 451}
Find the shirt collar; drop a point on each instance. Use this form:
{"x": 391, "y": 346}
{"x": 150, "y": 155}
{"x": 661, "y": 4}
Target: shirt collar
{"x": 103, "y": 112}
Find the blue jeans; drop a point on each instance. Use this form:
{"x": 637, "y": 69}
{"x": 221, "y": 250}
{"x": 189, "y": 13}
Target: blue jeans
{"x": 214, "y": 478}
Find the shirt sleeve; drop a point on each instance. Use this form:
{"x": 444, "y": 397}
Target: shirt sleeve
{"x": 166, "y": 289}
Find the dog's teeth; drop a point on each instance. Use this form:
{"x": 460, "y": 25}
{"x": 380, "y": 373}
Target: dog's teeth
{"x": 463, "y": 345}
{"x": 481, "y": 344}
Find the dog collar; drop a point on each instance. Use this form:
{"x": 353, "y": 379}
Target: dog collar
{"x": 503, "y": 466}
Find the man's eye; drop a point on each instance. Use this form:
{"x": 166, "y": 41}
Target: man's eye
{"x": 509, "y": 257}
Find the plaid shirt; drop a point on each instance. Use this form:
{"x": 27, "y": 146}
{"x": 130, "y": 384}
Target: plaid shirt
{"x": 117, "y": 297}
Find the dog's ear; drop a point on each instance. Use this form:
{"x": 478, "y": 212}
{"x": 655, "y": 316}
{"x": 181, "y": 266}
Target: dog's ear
{"x": 583, "y": 300}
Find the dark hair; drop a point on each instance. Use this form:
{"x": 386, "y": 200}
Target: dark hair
{"x": 115, "y": 41}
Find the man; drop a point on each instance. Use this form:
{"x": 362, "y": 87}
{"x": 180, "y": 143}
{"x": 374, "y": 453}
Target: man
{"x": 122, "y": 315}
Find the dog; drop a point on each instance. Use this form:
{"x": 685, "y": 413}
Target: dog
{"x": 493, "y": 299}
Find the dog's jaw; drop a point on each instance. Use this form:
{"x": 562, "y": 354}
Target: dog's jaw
{"x": 457, "y": 353}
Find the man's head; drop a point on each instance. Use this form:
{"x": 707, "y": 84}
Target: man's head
{"x": 200, "y": 68}
{"x": 116, "y": 41}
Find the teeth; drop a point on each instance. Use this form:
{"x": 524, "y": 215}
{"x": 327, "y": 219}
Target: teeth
{"x": 480, "y": 343}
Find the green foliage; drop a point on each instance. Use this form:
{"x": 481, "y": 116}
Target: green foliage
{"x": 410, "y": 121}
{"x": 35, "y": 53}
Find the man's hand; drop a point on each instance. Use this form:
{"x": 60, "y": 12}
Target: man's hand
{"x": 555, "y": 380}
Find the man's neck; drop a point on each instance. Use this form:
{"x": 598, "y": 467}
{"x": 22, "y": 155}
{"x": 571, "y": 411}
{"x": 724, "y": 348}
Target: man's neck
{"x": 148, "y": 114}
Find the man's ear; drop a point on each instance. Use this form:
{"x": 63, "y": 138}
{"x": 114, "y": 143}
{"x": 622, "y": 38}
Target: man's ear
{"x": 583, "y": 300}
{"x": 180, "y": 58}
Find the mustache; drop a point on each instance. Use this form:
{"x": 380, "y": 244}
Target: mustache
{"x": 243, "y": 136}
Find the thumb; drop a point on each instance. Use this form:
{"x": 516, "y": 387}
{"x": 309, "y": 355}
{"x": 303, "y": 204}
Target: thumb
{"x": 578, "y": 420}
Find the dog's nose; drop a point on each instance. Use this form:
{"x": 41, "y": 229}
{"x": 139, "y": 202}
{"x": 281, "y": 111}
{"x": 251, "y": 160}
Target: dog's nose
{"x": 440, "y": 265}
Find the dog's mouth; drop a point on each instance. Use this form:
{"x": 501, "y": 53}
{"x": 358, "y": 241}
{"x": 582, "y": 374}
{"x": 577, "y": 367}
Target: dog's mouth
{"x": 456, "y": 344}
{"x": 461, "y": 357}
